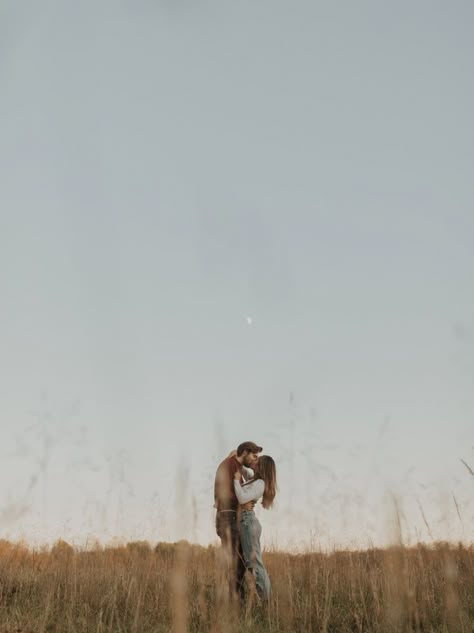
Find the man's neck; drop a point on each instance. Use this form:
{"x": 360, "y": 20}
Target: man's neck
{"x": 240, "y": 459}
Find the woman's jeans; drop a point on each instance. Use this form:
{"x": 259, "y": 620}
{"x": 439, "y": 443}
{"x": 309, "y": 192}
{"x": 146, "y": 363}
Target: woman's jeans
{"x": 250, "y": 532}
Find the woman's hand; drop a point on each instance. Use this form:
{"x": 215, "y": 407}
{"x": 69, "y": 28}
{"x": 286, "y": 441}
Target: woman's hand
{"x": 232, "y": 454}
{"x": 237, "y": 475}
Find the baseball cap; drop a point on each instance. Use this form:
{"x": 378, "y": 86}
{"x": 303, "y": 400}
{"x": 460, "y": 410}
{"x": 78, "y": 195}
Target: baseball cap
{"x": 248, "y": 446}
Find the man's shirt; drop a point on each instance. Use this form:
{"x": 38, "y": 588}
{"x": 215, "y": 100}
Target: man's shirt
{"x": 224, "y": 492}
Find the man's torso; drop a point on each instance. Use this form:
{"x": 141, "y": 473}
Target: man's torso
{"x": 224, "y": 493}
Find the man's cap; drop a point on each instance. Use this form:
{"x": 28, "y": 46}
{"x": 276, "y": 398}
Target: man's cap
{"x": 248, "y": 446}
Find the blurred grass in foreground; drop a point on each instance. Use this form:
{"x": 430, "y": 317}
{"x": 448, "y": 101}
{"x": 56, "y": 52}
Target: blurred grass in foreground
{"x": 181, "y": 587}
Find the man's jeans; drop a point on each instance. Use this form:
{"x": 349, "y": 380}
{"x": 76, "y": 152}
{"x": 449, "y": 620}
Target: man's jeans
{"x": 250, "y": 532}
{"x": 228, "y": 532}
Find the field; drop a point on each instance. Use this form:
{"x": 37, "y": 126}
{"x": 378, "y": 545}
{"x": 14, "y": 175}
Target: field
{"x": 180, "y": 587}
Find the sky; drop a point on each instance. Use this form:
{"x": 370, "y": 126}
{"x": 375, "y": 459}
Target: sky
{"x": 228, "y": 221}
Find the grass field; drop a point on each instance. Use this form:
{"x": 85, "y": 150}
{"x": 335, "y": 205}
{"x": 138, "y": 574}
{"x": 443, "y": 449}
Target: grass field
{"x": 177, "y": 588}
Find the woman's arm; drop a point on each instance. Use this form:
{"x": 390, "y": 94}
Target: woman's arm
{"x": 249, "y": 492}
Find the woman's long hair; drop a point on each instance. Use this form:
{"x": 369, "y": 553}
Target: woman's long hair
{"x": 266, "y": 470}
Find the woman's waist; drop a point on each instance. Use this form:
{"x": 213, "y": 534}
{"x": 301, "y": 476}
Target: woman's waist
{"x": 247, "y": 515}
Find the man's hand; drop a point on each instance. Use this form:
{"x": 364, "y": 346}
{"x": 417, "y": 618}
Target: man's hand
{"x": 250, "y": 505}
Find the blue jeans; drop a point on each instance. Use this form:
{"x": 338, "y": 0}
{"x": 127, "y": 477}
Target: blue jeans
{"x": 250, "y": 532}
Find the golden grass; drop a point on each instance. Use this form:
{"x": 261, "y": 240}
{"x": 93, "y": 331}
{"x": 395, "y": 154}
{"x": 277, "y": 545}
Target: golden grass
{"x": 178, "y": 588}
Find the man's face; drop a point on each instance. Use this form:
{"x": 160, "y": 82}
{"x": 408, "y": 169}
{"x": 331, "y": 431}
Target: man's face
{"x": 250, "y": 459}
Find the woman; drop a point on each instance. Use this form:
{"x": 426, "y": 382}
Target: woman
{"x": 262, "y": 485}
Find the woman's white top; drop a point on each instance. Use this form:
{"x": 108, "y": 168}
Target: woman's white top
{"x": 250, "y": 492}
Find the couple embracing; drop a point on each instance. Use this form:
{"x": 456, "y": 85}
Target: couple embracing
{"x": 242, "y": 479}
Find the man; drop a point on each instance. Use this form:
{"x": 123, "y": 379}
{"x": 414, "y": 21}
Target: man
{"x": 226, "y": 503}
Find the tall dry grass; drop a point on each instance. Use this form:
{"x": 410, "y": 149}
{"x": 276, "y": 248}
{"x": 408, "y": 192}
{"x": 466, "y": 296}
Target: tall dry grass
{"x": 177, "y": 588}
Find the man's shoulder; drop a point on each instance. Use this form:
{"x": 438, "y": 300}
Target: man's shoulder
{"x": 223, "y": 465}
{"x": 229, "y": 463}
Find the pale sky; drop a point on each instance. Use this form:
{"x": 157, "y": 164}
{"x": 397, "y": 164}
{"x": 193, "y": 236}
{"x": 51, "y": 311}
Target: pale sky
{"x": 226, "y": 221}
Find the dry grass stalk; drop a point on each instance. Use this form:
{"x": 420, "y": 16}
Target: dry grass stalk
{"x": 137, "y": 588}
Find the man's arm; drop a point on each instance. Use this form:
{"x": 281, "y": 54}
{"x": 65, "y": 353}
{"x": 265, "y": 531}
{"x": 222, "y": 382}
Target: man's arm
{"x": 221, "y": 486}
